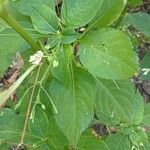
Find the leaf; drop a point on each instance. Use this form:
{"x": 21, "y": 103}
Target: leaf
{"x": 63, "y": 58}
{"x": 146, "y": 118}
{"x": 117, "y": 103}
{"x": 108, "y": 53}
{"x": 26, "y": 6}
{"x": 118, "y": 142}
{"x": 139, "y": 139}
{"x": 140, "y": 20}
{"x": 74, "y": 103}
{"x": 36, "y": 137}
{"x": 44, "y": 19}
{"x": 108, "y": 13}
{"x": 134, "y": 2}
{"x": 69, "y": 36}
{"x": 11, "y": 127}
{"x": 89, "y": 142}
{"x": 146, "y": 67}
{"x": 10, "y": 43}
{"x": 53, "y": 40}
{"x": 39, "y": 125}
{"x": 74, "y": 14}
{"x": 56, "y": 137}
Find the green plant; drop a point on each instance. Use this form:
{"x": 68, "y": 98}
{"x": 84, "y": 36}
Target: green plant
{"x": 81, "y": 68}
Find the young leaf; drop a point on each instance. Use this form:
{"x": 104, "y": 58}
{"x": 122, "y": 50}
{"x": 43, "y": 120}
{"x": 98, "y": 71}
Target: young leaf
{"x": 44, "y": 19}
{"x": 117, "y": 102}
{"x": 108, "y": 53}
{"x": 108, "y": 13}
{"x": 75, "y": 103}
{"x": 140, "y": 20}
{"x": 74, "y": 13}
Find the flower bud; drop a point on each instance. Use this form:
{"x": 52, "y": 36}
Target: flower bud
{"x": 3, "y": 7}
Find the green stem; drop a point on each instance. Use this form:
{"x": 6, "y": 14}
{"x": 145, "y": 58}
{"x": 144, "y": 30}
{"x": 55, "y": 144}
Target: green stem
{"x": 19, "y": 29}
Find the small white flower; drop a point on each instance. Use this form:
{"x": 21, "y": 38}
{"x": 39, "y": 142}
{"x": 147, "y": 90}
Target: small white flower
{"x": 82, "y": 29}
{"x": 36, "y": 58}
{"x": 55, "y": 64}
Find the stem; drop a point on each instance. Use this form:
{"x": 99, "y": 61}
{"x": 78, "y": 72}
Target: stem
{"x": 29, "y": 108}
{"x": 19, "y": 29}
{"x": 8, "y": 92}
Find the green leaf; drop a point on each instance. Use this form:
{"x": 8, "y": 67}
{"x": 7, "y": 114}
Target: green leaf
{"x": 26, "y": 6}
{"x": 140, "y": 20}
{"x": 11, "y": 127}
{"x": 44, "y": 19}
{"x": 117, "y": 103}
{"x": 79, "y": 13}
{"x": 108, "y": 13}
{"x": 135, "y": 2}
{"x": 10, "y": 43}
{"x": 39, "y": 125}
{"x": 146, "y": 66}
{"x": 53, "y": 40}
{"x": 75, "y": 103}
{"x": 146, "y": 118}
{"x": 108, "y": 53}
{"x": 69, "y": 35}
{"x": 63, "y": 58}
{"x": 56, "y": 136}
{"x": 89, "y": 142}
{"x": 139, "y": 139}
{"x": 118, "y": 142}
{"x": 3, "y": 146}
{"x": 37, "y": 135}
